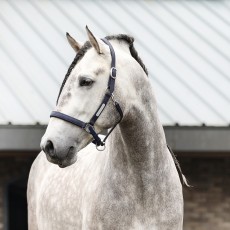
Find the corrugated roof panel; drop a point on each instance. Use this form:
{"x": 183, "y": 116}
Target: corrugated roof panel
{"x": 36, "y": 41}
{"x": 221, "y": 11}
{"x": 184, "y": 44}
{"x": 24, "y": 93}
{"x": 11, "y": 107}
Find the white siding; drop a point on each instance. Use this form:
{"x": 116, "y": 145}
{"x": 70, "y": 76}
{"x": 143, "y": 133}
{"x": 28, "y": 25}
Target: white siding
{"x": 184, "y": 44}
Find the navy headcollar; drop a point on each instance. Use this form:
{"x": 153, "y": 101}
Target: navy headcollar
{"x": 89, "y": 127}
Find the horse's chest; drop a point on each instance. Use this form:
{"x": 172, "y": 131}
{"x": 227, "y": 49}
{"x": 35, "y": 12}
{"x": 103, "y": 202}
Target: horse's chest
{"x": 58, "y": 204}
{"x": 80, "y": 199}
{"x": 116, "y": 204}
{"x": 65, "y": 196}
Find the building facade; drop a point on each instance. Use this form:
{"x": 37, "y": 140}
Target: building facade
{"x": 186, "y": 48}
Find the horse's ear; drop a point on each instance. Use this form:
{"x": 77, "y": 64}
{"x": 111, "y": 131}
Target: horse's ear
{"x": 74, "y": 44}
{"x": 95, "y": 42}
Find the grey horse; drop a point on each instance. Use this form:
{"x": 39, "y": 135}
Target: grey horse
{"x": 133, "y": 183}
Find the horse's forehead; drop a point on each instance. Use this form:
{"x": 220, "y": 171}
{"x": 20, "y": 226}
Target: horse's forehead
{"x": 91, "y": 63}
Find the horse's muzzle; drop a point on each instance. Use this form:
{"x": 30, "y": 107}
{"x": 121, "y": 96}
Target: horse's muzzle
{"x": 60, "y": 156}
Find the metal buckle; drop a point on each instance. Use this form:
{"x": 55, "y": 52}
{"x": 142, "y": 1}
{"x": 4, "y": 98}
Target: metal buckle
{"x": 86, "y": 128}
{"x": 111, "y": 72}
{"x": 100, "y": 147}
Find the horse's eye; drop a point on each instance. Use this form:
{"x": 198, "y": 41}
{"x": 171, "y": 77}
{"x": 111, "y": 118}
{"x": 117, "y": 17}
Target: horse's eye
{"x": 85, "y": 81}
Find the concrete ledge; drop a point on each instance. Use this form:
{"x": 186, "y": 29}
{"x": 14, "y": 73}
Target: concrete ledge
{"x": 21, "y": 137}
{"x": 198, "y": 139}
{"x": 180, "y": 138}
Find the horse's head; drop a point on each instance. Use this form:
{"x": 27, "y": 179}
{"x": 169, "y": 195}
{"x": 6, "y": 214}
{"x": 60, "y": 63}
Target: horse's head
{"x": 82, "y": 93}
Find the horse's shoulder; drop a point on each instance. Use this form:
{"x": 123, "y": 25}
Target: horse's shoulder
{"x": 37, "y": 171}
{"x": 39, "y": 164}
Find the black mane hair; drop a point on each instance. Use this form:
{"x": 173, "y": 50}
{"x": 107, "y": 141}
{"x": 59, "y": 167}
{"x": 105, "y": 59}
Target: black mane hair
{"x": 87, "y": 46}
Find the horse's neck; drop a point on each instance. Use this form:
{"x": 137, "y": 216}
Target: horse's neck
{"x": 138, "y": 143}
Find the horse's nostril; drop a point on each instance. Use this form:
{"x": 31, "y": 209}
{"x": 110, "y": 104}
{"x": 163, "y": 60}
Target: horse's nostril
{"x": 49, "y": 148}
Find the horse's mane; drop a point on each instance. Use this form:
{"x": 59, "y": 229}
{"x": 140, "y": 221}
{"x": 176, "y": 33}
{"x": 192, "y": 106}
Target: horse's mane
{"x": 133, "y": 52}
{"x": 87, "y": 45}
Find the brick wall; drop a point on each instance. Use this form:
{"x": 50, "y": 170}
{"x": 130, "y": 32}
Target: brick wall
{"x": 11, "y": 169}
{"x": 1, "y": 209}
{"x": 207, "y": 203}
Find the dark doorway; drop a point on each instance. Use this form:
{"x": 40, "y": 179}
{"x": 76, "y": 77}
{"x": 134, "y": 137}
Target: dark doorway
{"x": 17, "y": 205}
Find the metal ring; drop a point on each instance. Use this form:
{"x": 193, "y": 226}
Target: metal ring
{"x": 100, "y": 148}
{"x": 111, "y": 72}
{"x": 86, "y": 128}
